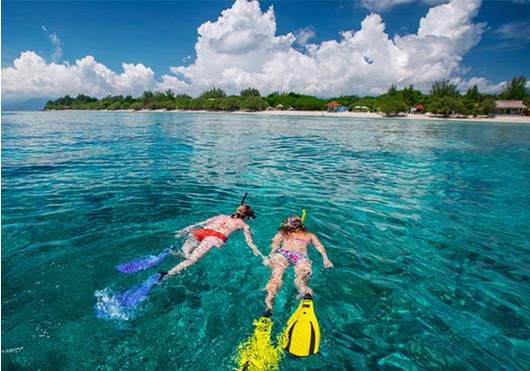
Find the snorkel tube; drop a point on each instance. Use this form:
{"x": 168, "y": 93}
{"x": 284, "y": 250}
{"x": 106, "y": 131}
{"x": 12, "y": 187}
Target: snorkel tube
{"x": 303, "y": 216}
{"x": 245, "y": 211}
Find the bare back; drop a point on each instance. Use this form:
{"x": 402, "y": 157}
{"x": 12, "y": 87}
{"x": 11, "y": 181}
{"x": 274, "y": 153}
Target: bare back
{"x": 296, "y": 241}
{"x": 224, "y": 224}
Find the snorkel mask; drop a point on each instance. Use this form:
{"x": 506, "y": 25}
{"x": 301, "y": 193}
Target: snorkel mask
{"x": 294, "y": 221}
{"x": 244, "y": 210}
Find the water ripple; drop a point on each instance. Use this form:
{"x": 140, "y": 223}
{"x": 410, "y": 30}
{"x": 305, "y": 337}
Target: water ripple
{"x": 427, "y": 224}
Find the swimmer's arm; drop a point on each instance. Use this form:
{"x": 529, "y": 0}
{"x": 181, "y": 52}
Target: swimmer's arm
{"x": 183, "y": 231}
{"x": 248, "y": 238}
{"x": 318, "y": 245}
{"x": 276, "y": 241}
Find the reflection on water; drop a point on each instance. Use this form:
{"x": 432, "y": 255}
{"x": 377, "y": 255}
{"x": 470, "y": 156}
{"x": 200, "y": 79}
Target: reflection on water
{"x": 427, "y": 224}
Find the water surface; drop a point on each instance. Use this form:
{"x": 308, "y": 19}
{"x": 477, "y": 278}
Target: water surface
{"x": 427, "y": 223}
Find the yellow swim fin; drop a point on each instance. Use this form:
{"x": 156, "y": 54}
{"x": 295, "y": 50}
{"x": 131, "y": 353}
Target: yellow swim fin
{"x": 302, "y": 334}
{"x": 258, "y": 352}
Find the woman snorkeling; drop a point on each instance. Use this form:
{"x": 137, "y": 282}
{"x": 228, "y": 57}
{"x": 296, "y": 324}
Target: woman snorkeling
{"x": 214, "y": 232}
{"x": 289, "y": 247}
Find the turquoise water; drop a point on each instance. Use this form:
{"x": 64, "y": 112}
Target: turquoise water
{"x": 427, "y": 223}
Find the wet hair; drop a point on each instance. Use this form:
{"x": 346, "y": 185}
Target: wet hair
{"x": 244, "y": 212}
{"x": 292, "y": 224}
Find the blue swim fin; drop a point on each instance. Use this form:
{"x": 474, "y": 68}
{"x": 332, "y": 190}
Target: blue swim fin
{"x": 123, "y": 306}
{"x": 143, "y": 263}
{"x": 137, "y": 294}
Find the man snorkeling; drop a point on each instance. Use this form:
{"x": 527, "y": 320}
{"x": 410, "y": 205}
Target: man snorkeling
{"x": 214, "y": 232}
{"x": 289, "y": 247}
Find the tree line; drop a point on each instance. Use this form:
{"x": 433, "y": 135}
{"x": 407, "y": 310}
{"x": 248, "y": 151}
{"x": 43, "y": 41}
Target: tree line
{"x": 444, "y": 98}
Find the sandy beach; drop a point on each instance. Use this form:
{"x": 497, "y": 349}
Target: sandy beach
{"x": 514, "y": 119}
{"x": 371, "y": 115}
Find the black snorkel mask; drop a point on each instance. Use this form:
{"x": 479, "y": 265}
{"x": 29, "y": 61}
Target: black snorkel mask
{"x": 248, "y": 213}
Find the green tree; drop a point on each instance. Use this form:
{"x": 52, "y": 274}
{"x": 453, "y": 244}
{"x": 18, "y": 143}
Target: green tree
{"x": 136, "y": 106}
{"x": 231, "y": 103}
{"x": 392, "y": 91}
{"x": 309, "y": 103}
{"x": 488, "y": 106}
{"x": 392, "y": 106}
{"x": 197, "y": 104}
{"x": 273, "y": 99}
{"x": 159, "y": 97}
{"x": 49, "y": 105}
{"x": 170, "y": 95}
{"x": 213, "y": 93}
{"x": 515, "y": 89}
{"x": 93, "y": 106}
{"x": 147, "y": 95}
{"x": 249, "y": 92}
{"x": 444, "y": 88}
{"x": 473, "y": 94}
{"x": 411, "y": 96}
{"x": 254, "y": 103}
{"x": 212, "y": 104}
{"x": 183, "y": 101}
{"x": 129, "y": 99}
{"x": 446, "y": 106}
{"x": 114, "y": 106}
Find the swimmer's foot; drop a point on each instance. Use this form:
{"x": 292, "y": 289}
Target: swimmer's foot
{"x": 308, "y": 297}
{"x": 268, "y": 313}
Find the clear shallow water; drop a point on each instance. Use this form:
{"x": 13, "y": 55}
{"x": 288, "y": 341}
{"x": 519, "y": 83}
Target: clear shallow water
{"x": 427, "y": 223}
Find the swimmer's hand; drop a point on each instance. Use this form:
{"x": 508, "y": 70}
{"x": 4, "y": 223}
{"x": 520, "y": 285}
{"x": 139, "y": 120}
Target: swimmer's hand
{"x": 265, "y": 261}
{"x": 328, "y": 263}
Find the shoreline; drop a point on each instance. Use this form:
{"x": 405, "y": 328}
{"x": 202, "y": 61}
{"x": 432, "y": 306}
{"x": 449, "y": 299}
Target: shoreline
{"x": 511, "y": 119}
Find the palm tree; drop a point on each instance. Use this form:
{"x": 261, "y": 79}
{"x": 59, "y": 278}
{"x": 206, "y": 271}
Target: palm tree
{"x": 170, "y": 95}
{"x": 516, "y": 89}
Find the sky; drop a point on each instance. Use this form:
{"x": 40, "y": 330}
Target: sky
{"x": 323, "y": 48}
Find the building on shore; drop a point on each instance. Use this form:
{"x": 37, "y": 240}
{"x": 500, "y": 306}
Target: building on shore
{"x": 332, "y": 106}
{"x": 418, "y": 108}
{"x": 510, "y": 107}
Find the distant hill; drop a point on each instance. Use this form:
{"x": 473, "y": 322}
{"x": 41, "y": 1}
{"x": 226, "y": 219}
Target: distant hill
{"x": 33, "y": 104}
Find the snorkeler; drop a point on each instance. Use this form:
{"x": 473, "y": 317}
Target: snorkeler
{"x": 294, "y": 240}
{"x": 214, "y": 232}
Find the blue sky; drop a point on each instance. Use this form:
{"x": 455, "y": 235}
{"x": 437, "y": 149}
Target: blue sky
{"x": 160, "y": 35}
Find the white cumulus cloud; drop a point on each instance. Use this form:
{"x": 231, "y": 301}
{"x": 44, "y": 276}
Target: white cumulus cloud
{"x": 242, "y": 49}
{"x": 304, "y": 35}
{"x": 31, "y": 76}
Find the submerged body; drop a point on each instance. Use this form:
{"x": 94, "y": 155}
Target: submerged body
{"x": 214, "y": 233}
{"x": 289, "y": 247}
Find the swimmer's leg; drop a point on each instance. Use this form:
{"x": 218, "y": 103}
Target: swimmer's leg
{"x": 278, "y": 264}
{"x": 201, "y": 250}
{"x": 303, "y": 271}
{"x": 191, "y": 244}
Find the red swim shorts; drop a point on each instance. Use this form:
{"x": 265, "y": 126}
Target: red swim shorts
{"x": 201, "y": 234}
